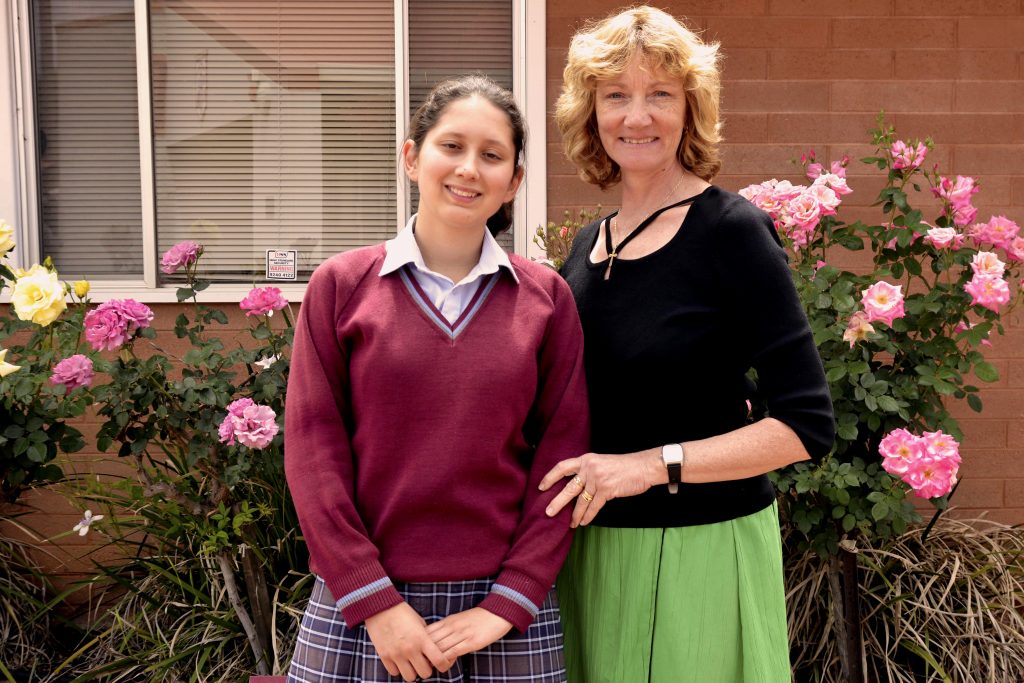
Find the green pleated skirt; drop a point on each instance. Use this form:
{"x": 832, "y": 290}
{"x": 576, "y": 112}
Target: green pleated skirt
{"x": 700, "y": 604}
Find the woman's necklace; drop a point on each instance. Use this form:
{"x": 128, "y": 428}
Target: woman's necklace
{"x": 613, "y": 252}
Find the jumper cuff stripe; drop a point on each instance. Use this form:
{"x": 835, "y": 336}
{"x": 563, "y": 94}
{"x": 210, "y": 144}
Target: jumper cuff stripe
{"x": 364, "y": 592}
{"x": 516, "y": 597}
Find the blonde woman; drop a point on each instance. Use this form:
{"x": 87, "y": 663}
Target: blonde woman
{"x": 675, "y": 573}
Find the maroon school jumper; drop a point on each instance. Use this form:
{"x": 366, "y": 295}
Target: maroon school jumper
{"x": 414, "y": 447}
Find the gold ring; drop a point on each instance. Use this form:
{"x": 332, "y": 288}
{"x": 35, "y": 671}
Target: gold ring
{"x": 587, "y": 496}
{"x": 576, "y": 480}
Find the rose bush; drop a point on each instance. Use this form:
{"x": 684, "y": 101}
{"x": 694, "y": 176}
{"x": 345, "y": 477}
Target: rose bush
{"x": 900, "y": 339}
{"x": 207, "y": 532}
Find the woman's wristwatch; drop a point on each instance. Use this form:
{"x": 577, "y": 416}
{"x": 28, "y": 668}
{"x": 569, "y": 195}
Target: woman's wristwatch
{"x": 672, "y": 456}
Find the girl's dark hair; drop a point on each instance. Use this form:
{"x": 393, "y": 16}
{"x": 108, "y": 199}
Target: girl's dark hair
{"x": 454, "y": 89}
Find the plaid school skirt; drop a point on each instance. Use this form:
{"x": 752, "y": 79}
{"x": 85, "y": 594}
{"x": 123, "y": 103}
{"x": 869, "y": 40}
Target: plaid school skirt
{"x": 328, "y": 651}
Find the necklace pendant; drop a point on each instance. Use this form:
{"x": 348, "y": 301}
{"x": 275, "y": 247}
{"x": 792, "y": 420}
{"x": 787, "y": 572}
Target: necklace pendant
{"x": 611, "y": 260}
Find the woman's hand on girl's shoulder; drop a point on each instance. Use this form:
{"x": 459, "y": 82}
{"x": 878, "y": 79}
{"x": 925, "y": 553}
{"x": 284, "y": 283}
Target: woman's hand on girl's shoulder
{"x": 405, "y": 648}
{"x": 598, "y": 478}
{"x": 464, "y": 632}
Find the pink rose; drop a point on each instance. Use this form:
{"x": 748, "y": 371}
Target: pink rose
{"x": 73, "y": 372}
{"x": 112, "y": 323}
{"x": 814, "y": 170}
{"x": 941, "y": 446}
{"x": 839, "y": 167}
{"x": 899, "y": 448}
{"x": 987, "y": 263}
{"x": 1000, "y": 231}
{"x": 904, "y": 156}
{"x": 931, "y": 478}
{"x": 883, "y": 302}
{"x": 181, "y": 255}
{"x": 105, "y": 329}
{"x": 804, "y": 211}
{"x": 263, "y": 301}
{"x": 990, "y": 291}
{"x": 1015, "y": 249}
{"x": 826, "y": 197}
{"x": 963, "y": 215}
{"x": 249, "y": 423}
{"x": 858, "y": 328}
{"x": 835, "y": 181}
{"x": 941, "y": 238}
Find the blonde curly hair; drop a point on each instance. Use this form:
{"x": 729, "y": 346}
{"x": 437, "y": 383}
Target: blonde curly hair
{"x": 601, "y": 51}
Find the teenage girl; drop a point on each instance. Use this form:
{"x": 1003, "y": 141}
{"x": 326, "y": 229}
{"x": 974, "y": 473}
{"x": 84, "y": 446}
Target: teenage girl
{"x": 434, "y": 380}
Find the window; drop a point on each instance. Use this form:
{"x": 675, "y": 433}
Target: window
{"x": 267, "y": 124}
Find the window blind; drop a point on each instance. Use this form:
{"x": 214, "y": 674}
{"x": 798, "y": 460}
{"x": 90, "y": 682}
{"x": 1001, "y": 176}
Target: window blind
{"x": 273, "y": 128}
{"x": 87, "y": 127}
{"x": 454, "y": 37}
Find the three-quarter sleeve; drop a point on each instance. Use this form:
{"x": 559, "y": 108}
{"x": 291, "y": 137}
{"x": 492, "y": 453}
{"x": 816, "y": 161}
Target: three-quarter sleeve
{"x": 776, "y": 336}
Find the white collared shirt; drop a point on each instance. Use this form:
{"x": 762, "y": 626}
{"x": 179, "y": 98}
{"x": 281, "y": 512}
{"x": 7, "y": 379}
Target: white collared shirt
{"x": 451, "y": 298}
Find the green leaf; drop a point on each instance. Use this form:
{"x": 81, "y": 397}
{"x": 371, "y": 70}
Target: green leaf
{"x": 888, "y": 404}
{"x": 836, "y": 373}
{"x": 849, "y": 521}
{"x": 880, "y": 510}
{"x": 986, "y": 372}
{"x": 183, "y": 293}
{"x": 974, "y": 402}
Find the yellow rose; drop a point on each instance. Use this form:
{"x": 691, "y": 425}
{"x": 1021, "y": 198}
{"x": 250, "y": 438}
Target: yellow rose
{"x": 21, "y": 272}
{"x": 6, "y": 237}
{"x": 81, "y": 288}
{"x": 7, "y": 368}
{"x": 38, "y": 296}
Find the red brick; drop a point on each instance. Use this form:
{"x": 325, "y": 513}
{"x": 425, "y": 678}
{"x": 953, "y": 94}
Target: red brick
{"x": 1017, "y": 190}
{"x": 984, "y": 433}
{"x": 982, "y": 159}
{"x": 820, "y": 128}
{"x": 871, "y": 32}
{"x": 768, "y": 31}
{"x": 761, "y": 96}
{"x": 975, "y": 492}
{"x": 557, "y": 163}
{"x": 990, "y": 96}
{"x": 830, "y": 8}
{"x": 1009, "y": 516}
{"x": 998, "y": 403}
{"x": 985, "y": 462}
{"x": 956, "y": 64}
{"x": 768, "y": 160}
{"x": 799, "y": 63}
{"x": 739, "y": 63}
{"x": 1014, "y": 493}
{"x": 681, "y": 9}
{"x": 1015, "y": 371}
{"x": 958, "y": 127}
{"x": 891, "y": 96}
{"x": 930, "y": 8}
{"x": 739, "y": 127}
{"x": 989, "y": 32}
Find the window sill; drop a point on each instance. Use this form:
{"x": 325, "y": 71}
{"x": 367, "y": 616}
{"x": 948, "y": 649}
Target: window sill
{"x": 215, "y": 294}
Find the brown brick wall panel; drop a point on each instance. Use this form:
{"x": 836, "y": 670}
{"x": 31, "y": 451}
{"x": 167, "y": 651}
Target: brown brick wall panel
{"x": 892, "y": 96}
{"x": 768, "y": 31}
{"x": 820, "y": 129}
{"x": 871, "y": 32}
{"x": 962, "y": 128}
{"x": 990, "y": 32}
{"x": 761, "y": 96}
{"x": 742, "y": 127}
{"x": 740, "y": 63}
{"x": 947, "y": 63}
{"x": 839, "y": 64}
{"x": 982, "y": 433}
{"x": 989, "y": 96}
{"x": 978, "y": 160}
{"x": 955, "y": 8}
{"x": 830, "y": 8}
{"x": 980, "y": 493}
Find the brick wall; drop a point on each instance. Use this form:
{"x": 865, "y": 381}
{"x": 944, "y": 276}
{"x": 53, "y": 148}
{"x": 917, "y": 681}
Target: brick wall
{"x": 801, "y": 74}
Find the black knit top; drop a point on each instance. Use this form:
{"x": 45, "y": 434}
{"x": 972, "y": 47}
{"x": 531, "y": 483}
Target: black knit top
{"x": 669, "y": 339}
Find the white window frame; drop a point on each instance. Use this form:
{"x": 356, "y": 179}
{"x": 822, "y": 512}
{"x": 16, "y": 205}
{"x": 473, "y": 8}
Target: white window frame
{"x": 529, "y": 78}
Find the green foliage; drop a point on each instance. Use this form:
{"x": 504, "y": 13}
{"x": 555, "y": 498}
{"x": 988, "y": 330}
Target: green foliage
{"x": 33, "y": 413}
{"x": 556, "y": 238}
{"x": 903, "y": 376}
{"x": 209, "y": 565}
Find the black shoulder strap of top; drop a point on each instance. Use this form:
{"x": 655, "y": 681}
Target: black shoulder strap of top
{"x": 636, "y": 231}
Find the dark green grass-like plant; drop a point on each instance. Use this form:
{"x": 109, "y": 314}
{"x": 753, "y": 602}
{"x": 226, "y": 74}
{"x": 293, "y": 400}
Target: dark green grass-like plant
{"x": 946, "y": 607}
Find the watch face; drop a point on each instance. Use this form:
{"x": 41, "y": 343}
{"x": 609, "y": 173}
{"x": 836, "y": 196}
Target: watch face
{"x": 672, "y": 453}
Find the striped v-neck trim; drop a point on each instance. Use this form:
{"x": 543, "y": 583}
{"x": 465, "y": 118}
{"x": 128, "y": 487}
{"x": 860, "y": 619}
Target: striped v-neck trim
{"x": 456, "y": 328}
